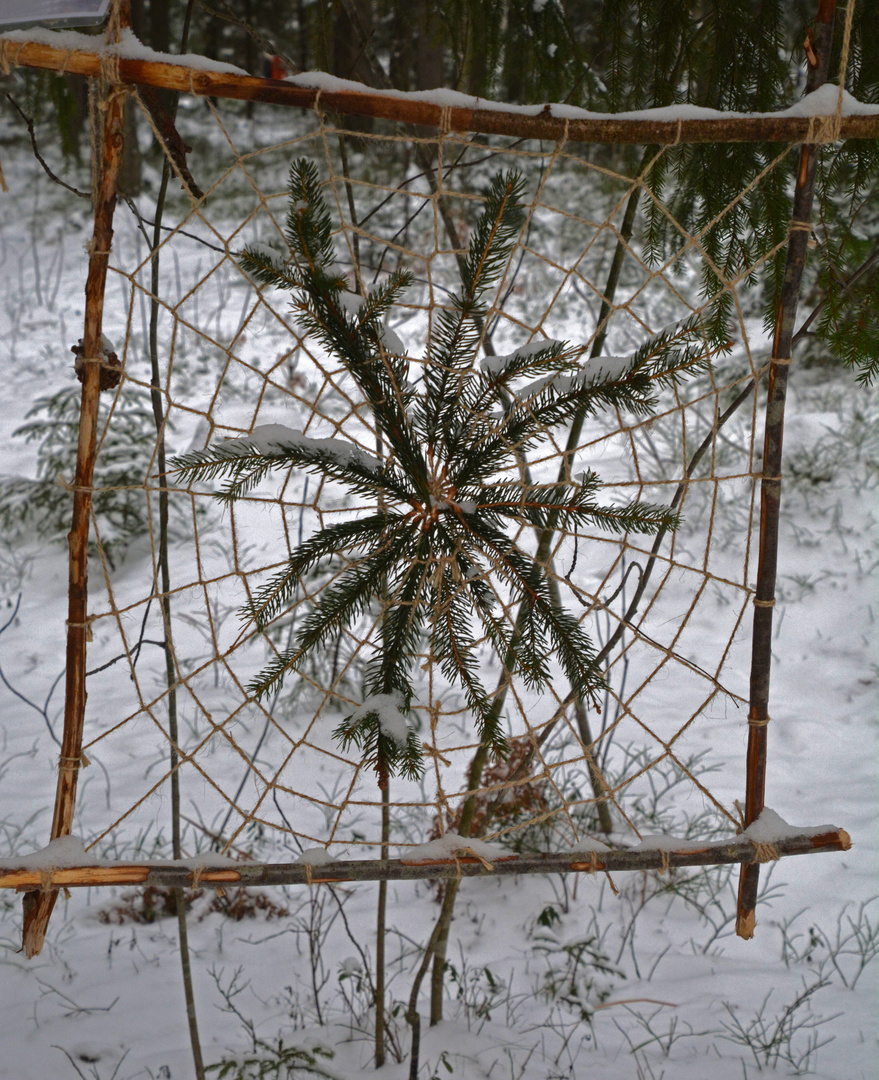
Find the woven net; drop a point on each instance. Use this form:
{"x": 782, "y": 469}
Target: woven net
{"x": 666, "y": 614}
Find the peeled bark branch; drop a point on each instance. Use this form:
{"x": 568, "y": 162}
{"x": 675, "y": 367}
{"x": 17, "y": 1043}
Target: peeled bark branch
{"x": 38, "y": 907}
{"x": 739, "y": 849}
{"x": 400, "y": 107}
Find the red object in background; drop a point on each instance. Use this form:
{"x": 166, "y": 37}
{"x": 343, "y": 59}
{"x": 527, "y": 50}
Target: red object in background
{"x": 273, "y": 67}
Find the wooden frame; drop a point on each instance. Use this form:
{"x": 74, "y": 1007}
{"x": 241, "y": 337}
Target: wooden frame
{"x": 412, "y": 109}
{"x": 108, "y": 63}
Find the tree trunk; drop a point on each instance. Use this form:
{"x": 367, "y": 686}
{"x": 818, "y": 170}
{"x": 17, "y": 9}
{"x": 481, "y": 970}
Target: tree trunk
{"x": 429, "y": 59}
{"x": 160, "y": 25}
{"x": 130, "y": 175}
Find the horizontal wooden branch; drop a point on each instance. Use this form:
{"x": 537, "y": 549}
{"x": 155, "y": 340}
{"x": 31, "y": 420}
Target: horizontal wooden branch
{"x": 171, "y": 875}
{"x": 406, "y": 109}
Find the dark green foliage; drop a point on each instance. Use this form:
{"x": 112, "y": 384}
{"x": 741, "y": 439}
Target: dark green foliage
{"x": 339, "y": 664}
{"x": 274, "y": 1061}
{"x": 614, "y": 55}
{"x": 848, "y": 326}
{"x": 437, "y": 552}
{"x": 119, "y": 503}
{"x": 727, "y": 55}
{"x": 519, "y": 49}
{"x": 847, "y": 262}
{"x": 70, "y": 107}
{"x": 743, "y": 233}
{"x": 747, "y": 56}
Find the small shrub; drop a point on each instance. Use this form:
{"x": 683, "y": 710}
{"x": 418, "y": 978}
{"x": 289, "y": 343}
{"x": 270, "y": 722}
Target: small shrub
{"x": 509, "y": 806}
{"x": 155, "y": 902}
{"x": 437, "y": 551}
{"x": 273, "y": 1060}
{"x": 579, "y": 975}
{"x": 119, "y": 501}
{"x": 147, "y": 905}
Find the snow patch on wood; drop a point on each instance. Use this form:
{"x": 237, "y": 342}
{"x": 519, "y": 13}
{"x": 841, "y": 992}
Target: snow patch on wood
{"x": 447, "y": 847}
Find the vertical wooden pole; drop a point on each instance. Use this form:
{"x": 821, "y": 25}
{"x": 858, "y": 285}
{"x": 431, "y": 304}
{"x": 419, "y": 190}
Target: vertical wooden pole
{"x": 818, "y": 54}
{"x": 38, "y": 905}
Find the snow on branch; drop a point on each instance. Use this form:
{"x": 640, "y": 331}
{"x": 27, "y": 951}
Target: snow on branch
{"x": 64, "y": 863}
{"x": 136, "y": 64}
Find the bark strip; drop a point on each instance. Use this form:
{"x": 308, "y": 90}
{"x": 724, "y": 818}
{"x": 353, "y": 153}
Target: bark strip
{"x": 770, "y": 486}
{"x": 406, "y": 108}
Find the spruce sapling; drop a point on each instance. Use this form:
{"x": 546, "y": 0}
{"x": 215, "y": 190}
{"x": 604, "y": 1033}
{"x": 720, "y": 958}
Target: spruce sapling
{"x": 438, "y": 552}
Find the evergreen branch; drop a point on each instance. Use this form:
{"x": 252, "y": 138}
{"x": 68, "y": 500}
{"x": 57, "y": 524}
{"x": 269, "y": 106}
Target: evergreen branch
{"x": 452, "y": 348}
{"x": 343, "y": 602}
{"x": 402, "y": 622}
{"x": 339, "y": 606}
{"x": 246, "y": 465}
{"x": 308, "y": 226}
{"x": 349, "y": 466}
{"x": 576, "y": 653}
{"x": 560, "y": 398}
{"x": 354, "y": 535}
{"x": 454, "y": 647}
{"x": 379, "y": 378}
{"x": 379, "y": 301}
{"x": 494, "y": 235}
{"x": 481, "y": 595}
{"x": 499, "y": 372}
{"x": 378, "y": 749}
{"x": 453, "y": 344}
{"x": 265, "y": 269}
{"x": 497, "y": 630}
{"x": 538, "y": 610}
{"x": 569, "y": 505}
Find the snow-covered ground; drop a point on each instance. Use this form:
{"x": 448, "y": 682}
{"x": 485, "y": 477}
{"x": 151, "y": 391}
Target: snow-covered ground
{"x": 548, "y": 977}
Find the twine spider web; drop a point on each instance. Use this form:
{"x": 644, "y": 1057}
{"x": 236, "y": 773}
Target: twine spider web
{"x": 668, "y": 618}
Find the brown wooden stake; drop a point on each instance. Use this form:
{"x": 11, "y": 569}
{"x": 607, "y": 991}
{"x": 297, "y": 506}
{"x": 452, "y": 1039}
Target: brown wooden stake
{"x": 770, "y": 488}
{"x": 38, "y": 905}
{"x": 410, "y": 109}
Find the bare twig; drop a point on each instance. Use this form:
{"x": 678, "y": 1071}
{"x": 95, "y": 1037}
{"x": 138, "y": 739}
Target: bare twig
{"x": 266, "y": 44}
{"x": 43, "y": 709}
{"x": 123, "y": 656}
{"x": 175, "y": 152}
{"x": 30, "y": 128}
{"x": 144, "y": 223}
